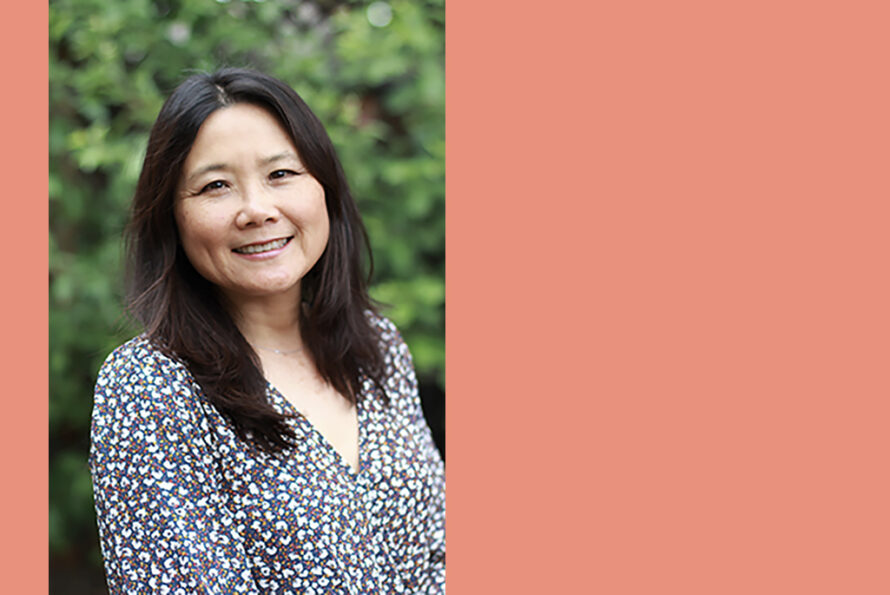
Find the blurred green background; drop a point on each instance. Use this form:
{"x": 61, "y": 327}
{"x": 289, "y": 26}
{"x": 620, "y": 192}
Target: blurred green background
{"x": 373, "y": 72}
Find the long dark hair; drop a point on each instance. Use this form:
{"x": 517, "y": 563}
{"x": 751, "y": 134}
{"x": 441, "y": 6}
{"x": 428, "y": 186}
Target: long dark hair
{"x": 182, "y": 312}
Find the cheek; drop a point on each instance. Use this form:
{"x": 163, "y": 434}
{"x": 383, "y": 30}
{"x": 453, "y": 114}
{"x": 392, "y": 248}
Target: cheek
{"x": 196, "y": 233}
{"x": 324, "y": 223}
{"x": 186, "y": 228}
{"x": 316, "y": 216}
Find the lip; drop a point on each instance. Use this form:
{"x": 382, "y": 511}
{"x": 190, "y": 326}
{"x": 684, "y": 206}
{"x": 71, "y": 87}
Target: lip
{"x": 266, "y": 254}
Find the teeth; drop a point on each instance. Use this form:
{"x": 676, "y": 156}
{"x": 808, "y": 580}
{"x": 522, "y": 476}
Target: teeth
{"x": 255, "y": 248}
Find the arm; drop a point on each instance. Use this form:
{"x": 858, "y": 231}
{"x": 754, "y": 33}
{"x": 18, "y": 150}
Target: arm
{"x": 433, "y": 581}
{"x": 162, "y": 525}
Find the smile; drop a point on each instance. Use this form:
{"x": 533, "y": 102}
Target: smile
{"x": 258, "y": 248}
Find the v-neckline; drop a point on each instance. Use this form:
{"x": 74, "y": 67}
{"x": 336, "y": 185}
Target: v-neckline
{"x": 322, "y": 440}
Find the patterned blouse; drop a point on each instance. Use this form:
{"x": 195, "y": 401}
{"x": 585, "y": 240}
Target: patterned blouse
{"x": 185, "y": 506}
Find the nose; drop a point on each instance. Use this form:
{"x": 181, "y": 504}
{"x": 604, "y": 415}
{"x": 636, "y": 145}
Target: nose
{"x": 257, "y": 208}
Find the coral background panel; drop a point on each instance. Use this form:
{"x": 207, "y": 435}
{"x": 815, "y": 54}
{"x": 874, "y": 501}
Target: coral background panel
{"x": 23, "y": 299}
{"x": 667, "y": 273}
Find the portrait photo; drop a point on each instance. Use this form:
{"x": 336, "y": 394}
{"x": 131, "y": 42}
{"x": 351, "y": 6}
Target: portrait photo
{"x": 247, "y": 296}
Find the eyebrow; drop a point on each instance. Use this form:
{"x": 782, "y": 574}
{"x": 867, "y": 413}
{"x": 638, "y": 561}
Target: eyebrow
{"x": 223, "y": 166}
{"x": 203, "y": 170}
{"x": 279, "y": 157}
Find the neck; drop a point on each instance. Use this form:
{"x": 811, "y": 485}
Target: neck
{"x": 272, "y": 322}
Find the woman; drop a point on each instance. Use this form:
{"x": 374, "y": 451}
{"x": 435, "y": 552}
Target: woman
{"x": 264, "y": 435}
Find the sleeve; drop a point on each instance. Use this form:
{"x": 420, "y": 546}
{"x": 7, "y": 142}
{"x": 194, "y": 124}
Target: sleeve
{"x": 405, "y": 382}
{"x": 163, "y": 527}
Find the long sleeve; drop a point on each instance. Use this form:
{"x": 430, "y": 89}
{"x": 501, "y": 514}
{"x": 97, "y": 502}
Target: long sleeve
{"x": 163, "y": 525}
{"x": 432, "y": 581}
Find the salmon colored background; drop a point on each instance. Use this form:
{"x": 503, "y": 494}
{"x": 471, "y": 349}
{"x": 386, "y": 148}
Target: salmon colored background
{"x": 668, "y": 333}
{"x": 23, "y": 298}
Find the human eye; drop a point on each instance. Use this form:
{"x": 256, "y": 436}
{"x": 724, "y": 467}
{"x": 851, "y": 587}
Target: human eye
{"x": 280, "y": 174}
{"x": 214, "y": 185}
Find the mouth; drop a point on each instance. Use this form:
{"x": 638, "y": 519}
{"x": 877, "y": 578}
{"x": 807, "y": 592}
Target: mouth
{"x": 264, "y": 247}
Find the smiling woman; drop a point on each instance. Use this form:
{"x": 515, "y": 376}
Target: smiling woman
{"x": 251, "y": 218}
{"x": 264, "y": 435}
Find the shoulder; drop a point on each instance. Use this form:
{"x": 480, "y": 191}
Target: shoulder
{"x": 396, "y": 355}
{"x": 139, "y": 361}
{"x": 139, "y": 376}
{"x": 399, "y": 378}
{"x": 145, "y": 403}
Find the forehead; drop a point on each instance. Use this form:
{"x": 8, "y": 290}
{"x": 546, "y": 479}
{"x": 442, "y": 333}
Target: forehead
{"x": 242, "y": 130}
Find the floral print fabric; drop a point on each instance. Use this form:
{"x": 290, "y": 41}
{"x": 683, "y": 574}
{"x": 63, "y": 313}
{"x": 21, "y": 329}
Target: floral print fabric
{"x": 185, "y": 506}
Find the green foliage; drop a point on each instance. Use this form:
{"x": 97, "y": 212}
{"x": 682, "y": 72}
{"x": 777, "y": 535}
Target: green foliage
{"x": 378, "y": 89}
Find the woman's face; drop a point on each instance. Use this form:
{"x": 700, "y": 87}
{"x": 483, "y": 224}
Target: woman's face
{"x": 251, "y": 219}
